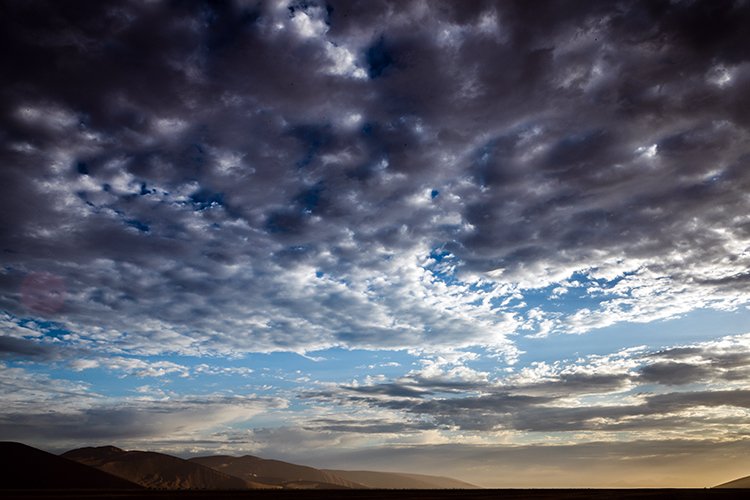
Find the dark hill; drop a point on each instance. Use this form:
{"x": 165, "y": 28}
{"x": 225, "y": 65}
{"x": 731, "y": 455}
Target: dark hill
{"x": 157, "y": 470}
{"x": 397, "y": 480}
{"x": 276, "y": 472}
{"x": 743, "y": 482}
{"x": 24, "y": 467}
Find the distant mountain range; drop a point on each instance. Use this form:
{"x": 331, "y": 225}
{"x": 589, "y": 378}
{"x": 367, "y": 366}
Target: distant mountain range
{"x": 23, "y": 467}
{"x": 109, "y": 467}
{"x": 743, "y": 482}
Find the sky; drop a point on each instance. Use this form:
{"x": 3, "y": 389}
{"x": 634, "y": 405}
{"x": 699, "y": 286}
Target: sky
{"x": 507, "y": 242}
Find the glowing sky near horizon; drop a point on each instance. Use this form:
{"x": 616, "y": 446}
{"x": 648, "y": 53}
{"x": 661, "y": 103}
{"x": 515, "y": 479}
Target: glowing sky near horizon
{"x": 504, "y": 242}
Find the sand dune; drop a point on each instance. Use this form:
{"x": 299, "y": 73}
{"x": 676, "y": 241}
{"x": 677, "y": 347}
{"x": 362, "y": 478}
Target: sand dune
{"x": 24, "y": 467}
{"x": 396, "y": 480}
{"x": 157, "y": 470}
{"x": 109, "y": 467}
{"x": 743, "y": 482}
{"x": 285, "y": 474}
{"x": 299, "y": 476}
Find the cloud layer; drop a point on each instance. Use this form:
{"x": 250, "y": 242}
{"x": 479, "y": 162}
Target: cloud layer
{"x": 216, "y": 177}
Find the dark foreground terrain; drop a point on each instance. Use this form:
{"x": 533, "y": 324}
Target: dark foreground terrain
{"x": 505, "y": 494}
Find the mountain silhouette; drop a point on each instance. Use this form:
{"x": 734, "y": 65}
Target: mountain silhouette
{"x": 743, "y": 482}
{"x": 276, "y": 472}
{"x": 291, "y": 475}
{"x": 111, "y": 468}
{"x": 398, "y": 480}
{"x": 24, "y": 467}
{"x": 157, "y": 470}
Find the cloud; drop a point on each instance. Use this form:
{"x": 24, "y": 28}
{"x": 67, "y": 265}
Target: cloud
{"x": 20, "y": 347}
{"x": 368, "y": 426}
{"x": 683, "y": 389}
{"x": 57, "y": 413}
{"x": 724, "y": 359}
{"x": 141, "y": 368}
{"x": 229, "y": 208}
{"x": 25, "y": 391}
{"x": 122, "y": 422}
{"x": 674, "y": 373}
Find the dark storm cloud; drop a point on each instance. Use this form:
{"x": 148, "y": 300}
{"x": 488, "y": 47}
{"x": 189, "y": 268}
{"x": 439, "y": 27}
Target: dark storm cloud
{"x": 231, "y": 176}
{"x": 19, "y": 347}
